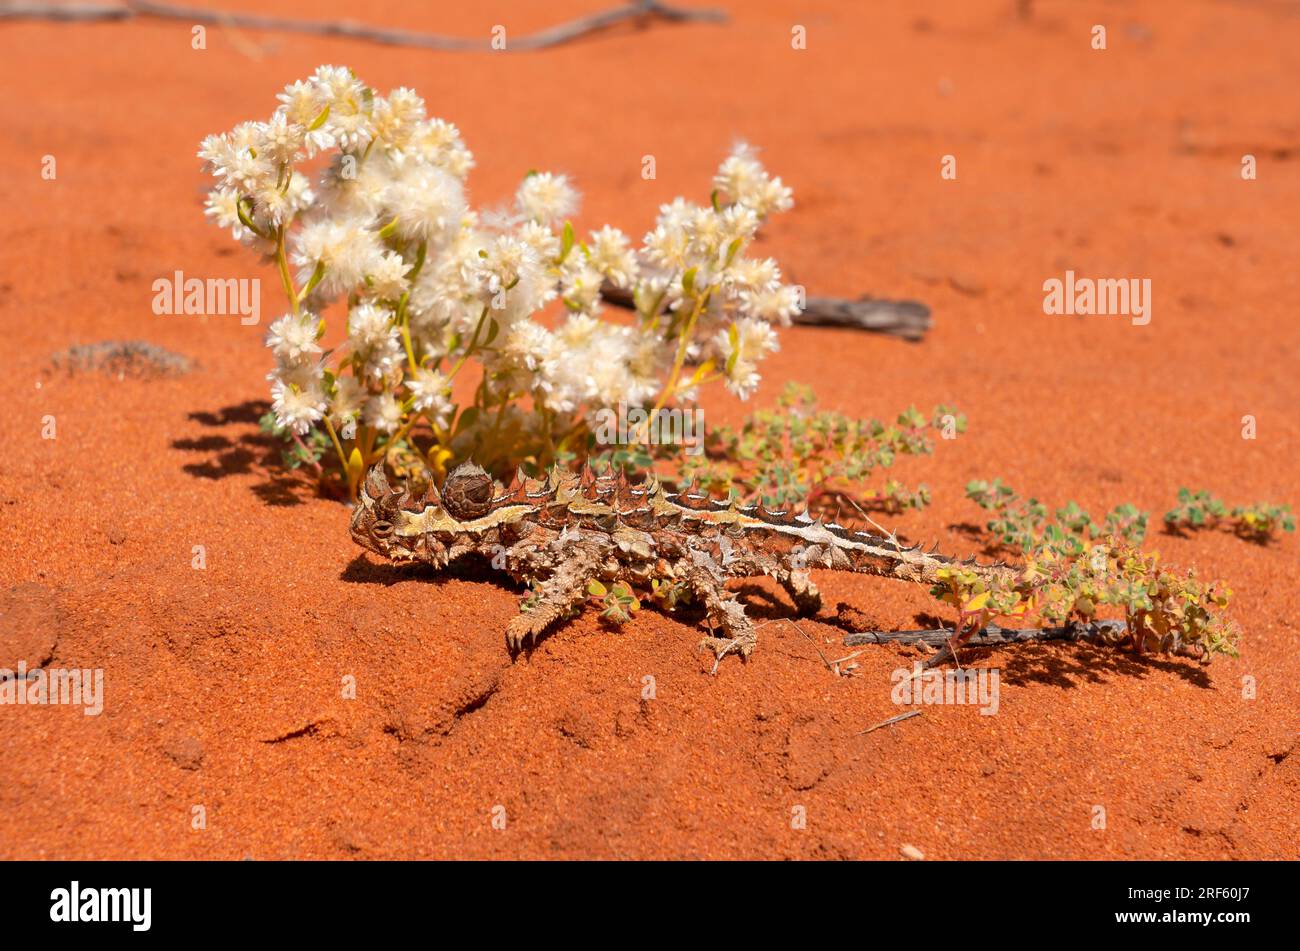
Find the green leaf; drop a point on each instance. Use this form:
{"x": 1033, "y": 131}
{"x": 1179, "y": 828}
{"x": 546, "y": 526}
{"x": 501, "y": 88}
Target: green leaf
{"x": 566, "y": 242}
{"x": 316, "y": 275}
{"x": 688, "y": 281}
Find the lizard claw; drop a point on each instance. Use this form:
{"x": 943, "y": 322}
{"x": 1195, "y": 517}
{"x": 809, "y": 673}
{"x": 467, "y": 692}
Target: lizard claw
{"x": 722, "y": 646}
{"x": 519, "y": 633}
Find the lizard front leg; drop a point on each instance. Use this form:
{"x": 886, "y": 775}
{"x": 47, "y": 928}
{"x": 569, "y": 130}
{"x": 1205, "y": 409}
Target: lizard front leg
{"x": 799, "y": 585}
{"x": 724, "y": 612}
{"x": 553, "y": 599}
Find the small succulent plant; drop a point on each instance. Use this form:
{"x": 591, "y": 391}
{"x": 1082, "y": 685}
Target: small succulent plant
{"x": 1258, "y": 522}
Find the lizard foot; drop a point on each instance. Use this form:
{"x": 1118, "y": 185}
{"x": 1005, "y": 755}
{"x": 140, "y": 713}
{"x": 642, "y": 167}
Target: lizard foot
{"x": 807, "y": 599}
{"x": 525, "y": 629}
{"x": 722, "y": 646}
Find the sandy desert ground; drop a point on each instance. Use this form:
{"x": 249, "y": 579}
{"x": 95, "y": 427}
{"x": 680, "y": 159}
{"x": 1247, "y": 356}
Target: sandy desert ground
{"x": 222, "y": 685}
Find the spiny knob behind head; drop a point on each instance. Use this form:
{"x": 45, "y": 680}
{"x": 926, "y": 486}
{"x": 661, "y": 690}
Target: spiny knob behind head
{"x": 467, "y": 493}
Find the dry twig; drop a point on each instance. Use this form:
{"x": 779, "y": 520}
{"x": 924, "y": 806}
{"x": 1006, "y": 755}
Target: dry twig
{"x": 638, "y": 11}
{"x": 907, "y": 319}
{"x": 898, "y": 719}
{"x": 832, "y": 665}
{"x": 990, "y": 636}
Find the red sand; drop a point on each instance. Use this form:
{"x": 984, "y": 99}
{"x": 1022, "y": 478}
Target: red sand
{"x": 223, "y": 685}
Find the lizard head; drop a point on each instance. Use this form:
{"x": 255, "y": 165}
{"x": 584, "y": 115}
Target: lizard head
{"x": 380, "y": 519}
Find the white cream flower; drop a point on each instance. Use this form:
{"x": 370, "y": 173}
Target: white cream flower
{"x": 741, "y": 346}
{"x": 438, "y": 143}
{"x": 743, "y": 180}
{"x": 545, "y": 197}
{"x": 222, "y": 207}
{"x": 667, "y": 247}
{"x": 752, "y": 274}
{"x": 775, "y": 304}
{"x": 353, "y": 189}
{"x": 302, "y": 103}
{"x": 541, "y": 239}
{"x": 348, "y": 249}
{"x": 430, "y": 393}
{"x": 388, "y": 279}
{"x": 298, "y": 401}
{"x": 282, "y": 139}
{"x": 611, "y": 254}
{"x": 427, "y": 202}
{"x": 293, "y": 339}
{"x": 397, "y": 117}
{"x": 580, "y": 287}
{"x": 349, "y": 396}
{"x": 390, "y": 190}
{"x": 528, "y": 344}
{"x": 384, "y": 413}
{"x": 510, "y": 278}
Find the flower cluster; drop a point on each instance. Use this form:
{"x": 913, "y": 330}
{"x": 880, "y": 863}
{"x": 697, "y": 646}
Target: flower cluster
{"x": 361, "y": 199}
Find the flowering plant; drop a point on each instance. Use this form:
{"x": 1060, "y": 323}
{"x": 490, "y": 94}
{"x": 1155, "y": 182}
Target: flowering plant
{"x": 381, "y": 221}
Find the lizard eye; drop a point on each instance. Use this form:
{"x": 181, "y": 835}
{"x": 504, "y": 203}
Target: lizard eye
{"x": 382, "y": 529}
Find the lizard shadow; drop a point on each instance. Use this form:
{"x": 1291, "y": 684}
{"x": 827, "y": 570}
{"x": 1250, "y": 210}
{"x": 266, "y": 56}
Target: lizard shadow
{"x": 362, "y": 570}
{"x": 761, "y": 604}
{"x": 235, "y": 451}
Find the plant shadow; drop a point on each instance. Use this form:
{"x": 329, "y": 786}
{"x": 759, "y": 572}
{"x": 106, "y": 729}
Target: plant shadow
{"x": 1259, "y": 541}
{"x": 1082, "y": 662}
{"x": 235, "y": 450}
{"x": 1063, "y": 664}
{"x": 989, "y": 547}
{"x": 762, "y": 604}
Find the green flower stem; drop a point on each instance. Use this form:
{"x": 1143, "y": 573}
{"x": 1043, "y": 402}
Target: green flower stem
{"x": 680, "y": 359}
{"x": 280, "y": 259}
{"x": 414, "y": 272}
{"x": 397, "y": 437}
{"x": 404, "y": 324}
{"x": 307, "y": 453}
{"x": 338, "y": 446}
{"x": 403, "y": 319}
{"x": 473, "y": 342}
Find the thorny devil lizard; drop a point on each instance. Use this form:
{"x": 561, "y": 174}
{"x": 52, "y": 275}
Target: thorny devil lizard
{"x": 556, "y": 535}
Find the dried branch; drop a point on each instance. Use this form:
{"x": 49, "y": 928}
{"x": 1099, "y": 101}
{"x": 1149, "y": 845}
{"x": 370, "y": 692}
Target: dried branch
{"x": 638, "y": 11}
{"x": 908, "y": 319}
{"x": 990, "y": 636}
{"x": 898, "y": 719}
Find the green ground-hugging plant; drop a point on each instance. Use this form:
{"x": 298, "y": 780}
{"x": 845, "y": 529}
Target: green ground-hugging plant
{"x": 1258, "y": 522}
{"x": 798, "y": 454}
{"x": 1023, "y": 524}
{"x": 1075, "y": 569}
